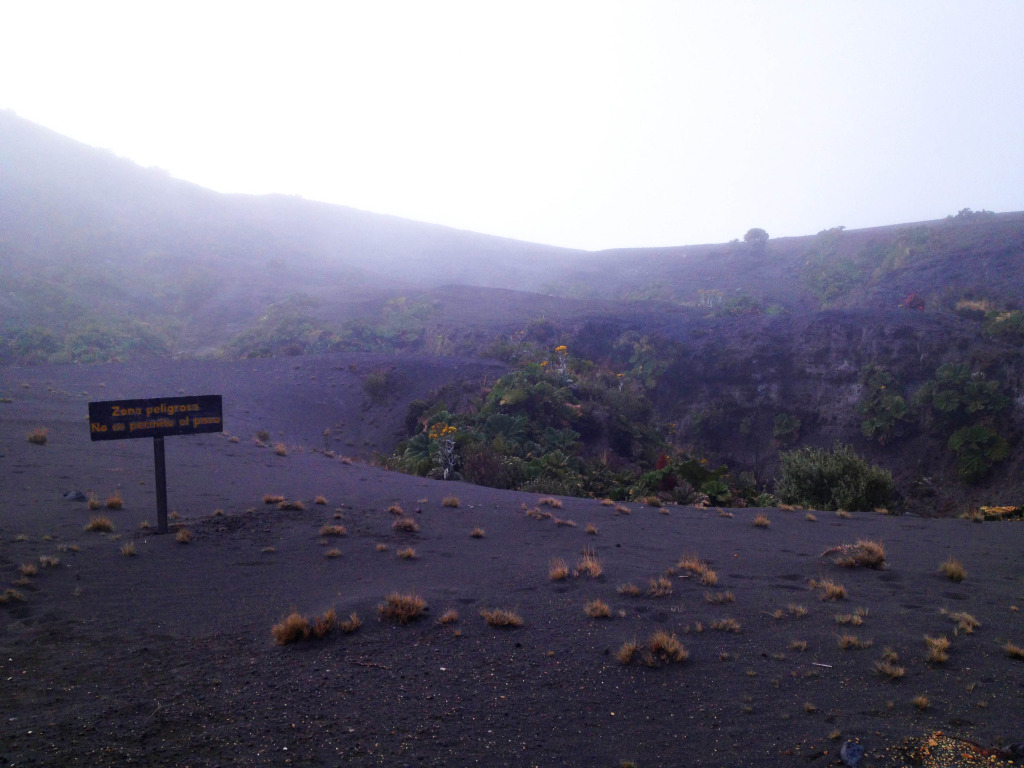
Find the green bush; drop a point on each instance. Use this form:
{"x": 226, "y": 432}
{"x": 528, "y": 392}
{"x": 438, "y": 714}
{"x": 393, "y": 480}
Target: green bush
{"x": 837, "y": 479}
{"x": 881, "y": 405}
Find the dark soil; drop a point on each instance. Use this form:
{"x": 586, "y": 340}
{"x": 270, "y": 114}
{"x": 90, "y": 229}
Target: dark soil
{"x": 166, "y": 657}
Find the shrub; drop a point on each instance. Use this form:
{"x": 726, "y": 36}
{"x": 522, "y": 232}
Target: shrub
{"x": 406, "y": 524}
{"x": 99, "y": 524}
{"x": 450, "y": 616}
{"x": 839, "y": 479}
{"x": 954, "y": 570}
{"x": 320, "y": 500}
{"x": 666, "y": 647}
{"x": 292, "y": 629}
{"x": 762, "y": 521}
{"x": 407, "y": 553}
{"x": 870, "y": 554}
{"x": 402, "y": 608}
{"x": 37, "y": 436}
{"x": 477, "y": 533}
{"x": 589, "y": 564}
{"x": 597, "y": 609}
{"x": 627, "y": 651}
{"x": 183, "y": 536}
{"x": 351, "y": 624}
{"x": 1014, "y": 651}
{"x": 378, "y": 384}
{"x": 114, "y": 501}
{"x": 938, "y": 649}
{"x": 502, "y": 617}
{"x": 280, "y": 449}
{"x": 450, "y": 501}
{"x": 128, "y": 549}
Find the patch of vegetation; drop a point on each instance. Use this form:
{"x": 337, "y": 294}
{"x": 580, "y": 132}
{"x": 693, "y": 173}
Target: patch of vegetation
{"x": 559, "y": 425}
{"x": 501, "y": 617}
{"x": 832, "y": 480}
{"x": 965, "y": 406}
{"x": 882, "y": 408}
{"x": 402, "y": 608}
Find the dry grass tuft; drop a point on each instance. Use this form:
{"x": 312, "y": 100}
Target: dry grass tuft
{"x": 114, "y": 501}
{"x": 921, "y": 702}
{"x": 406, "y": 524}
{"x": 272, "y": 498}
{"x": 449, "y": 617}
{"x": 280, "y": 449}
{"x": 501, "y": 617}
{"x": 1013, "y": 651}
{"x": 407, "y": 553}
{"x": 268, "y": 550}
{"x": 37, "y": 436}
{"x": 964, "y": 621}
{"x": 798, "y": 645}
{"x": 597, "y": 609}
{"x": 396, "y": 509}
{"x": 622, "y": 509}
{"x": 954, "y": 570}
{"x": 333, "y": 530}
{"x": 567, "y": 523}
{"x": 218, "y": 513}
{"x": 549, "y": 501}
{"x": 797, "y": 611}
{"x": 842, "y": 514}
{"x": 852, "y": 642}
{"x": 11, "y": 596}
{"x": 810, "y": 518}
{"x": 726, "y": 625}
{"x": 724, "y": 513}
{"x": 589, "y": 565}
{"x": 323, "y": 624}
{"x": 889, "y": 668}
{"x": 869, "y": 554}
{"x": 99, "y": 524}
{"x": 558, "y": 570}
{"x": 294, "y": 628}
{"x": 183, "y": 536}
{"x": 128, "y": 549}
{"x": 629, "y": 589}
{"x": 666, "y": 647}
{"x": 718, "y": 598}
{"x": 351, "y": 624}
{"x": 450, "y": 501}
{"x": 402, "y": 608}
{"x": 830, "y": 590}
{"x": 810, "y": 708}
{"x": 853, "y": 619}
{"x": 938, "y": 649}
{"x": 591, "y": 529}
{"x": 28, "y": 569}
{"x": 627, "y": 651}
{"x": 320, "y": 500}
{"x": 291, "y": 505}
{"x": 660, "y": 587}
{"x": 762, "y": 521}
{"x": 381, "y": 547}
{"x": 93, "y": 503}
{"x": 476, "y": 533}
{"x": 332, "y": 553}
{"x": 607, "y": 503}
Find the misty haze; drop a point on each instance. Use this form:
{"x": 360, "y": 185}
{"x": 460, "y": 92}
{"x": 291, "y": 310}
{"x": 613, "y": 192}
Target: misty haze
{"x": 481, "y": 501}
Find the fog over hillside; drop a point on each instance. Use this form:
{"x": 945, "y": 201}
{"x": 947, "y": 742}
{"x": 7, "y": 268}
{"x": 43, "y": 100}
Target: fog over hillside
{"x": 736, "y": 352}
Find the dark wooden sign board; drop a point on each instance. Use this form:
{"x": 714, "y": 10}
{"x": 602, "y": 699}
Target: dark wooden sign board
{"x": 157, "y": 418}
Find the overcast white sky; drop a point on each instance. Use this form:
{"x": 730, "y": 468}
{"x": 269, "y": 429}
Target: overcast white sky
{"x": 586, "y": 124}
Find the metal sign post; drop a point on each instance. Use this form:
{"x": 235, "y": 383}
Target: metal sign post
{"x": 156, "y": 418}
